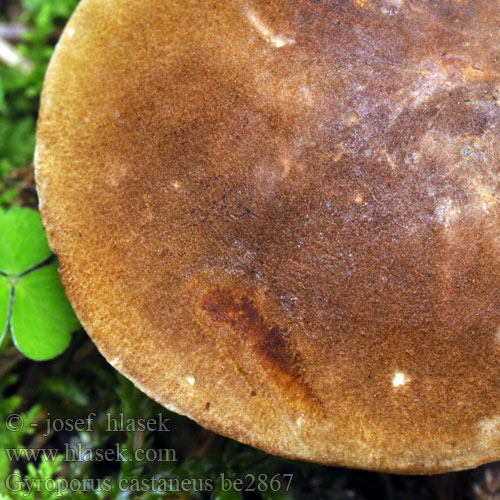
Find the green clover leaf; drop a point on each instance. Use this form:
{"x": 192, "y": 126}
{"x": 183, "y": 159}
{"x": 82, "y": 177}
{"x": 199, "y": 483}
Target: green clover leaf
{"x": 5, "y": 295}
{"x": 23, "y": 244}
{"x": 34, "y": 308}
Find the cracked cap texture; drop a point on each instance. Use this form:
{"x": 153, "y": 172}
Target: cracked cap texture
{"x": 282, "y": 218}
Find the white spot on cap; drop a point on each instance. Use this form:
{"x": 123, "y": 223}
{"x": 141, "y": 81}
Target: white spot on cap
{"x": 266, "y": 32}
{"x": 400, "y": 379}
{"x": 279, "y": 42}
{"x": 447, "y": 212}
{"x": 191, "y": 380}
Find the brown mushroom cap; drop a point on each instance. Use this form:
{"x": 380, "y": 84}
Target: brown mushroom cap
{"x": 282, "y": 218}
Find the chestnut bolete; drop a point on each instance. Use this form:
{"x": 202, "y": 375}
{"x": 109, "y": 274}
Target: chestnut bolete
{"x": 282, "y": 218}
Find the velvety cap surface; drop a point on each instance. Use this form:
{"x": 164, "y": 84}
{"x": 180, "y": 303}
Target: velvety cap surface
{"x": 282, "y": 218}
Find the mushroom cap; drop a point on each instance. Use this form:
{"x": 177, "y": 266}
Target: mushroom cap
{"x": 282, "y": 218}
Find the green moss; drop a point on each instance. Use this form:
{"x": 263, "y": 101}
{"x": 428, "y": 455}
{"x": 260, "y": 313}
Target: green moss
{"x": 20, "y": 91}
